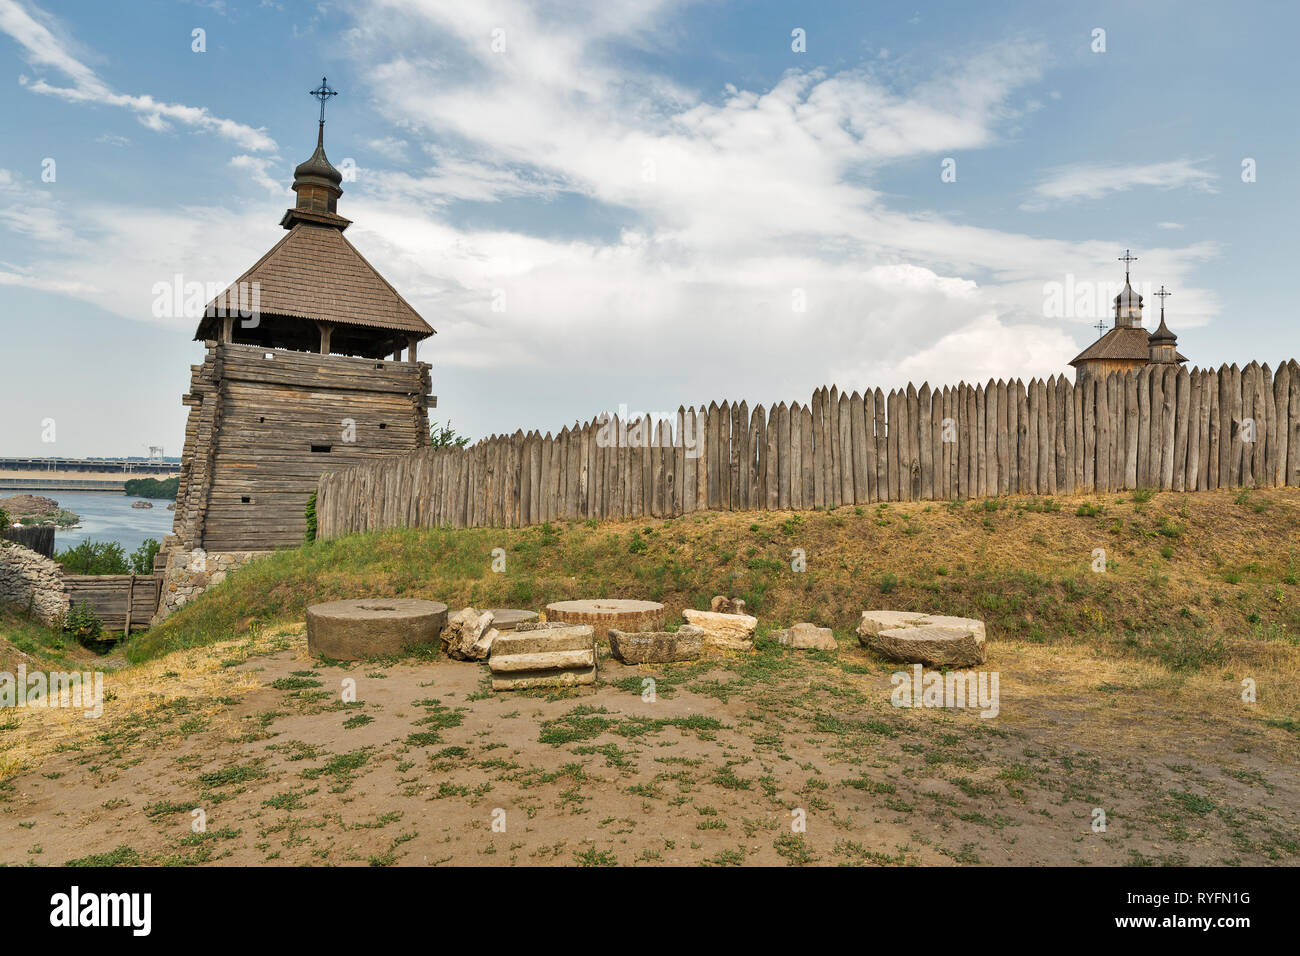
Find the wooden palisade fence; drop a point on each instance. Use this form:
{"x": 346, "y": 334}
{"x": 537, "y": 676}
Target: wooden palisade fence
{"x": 37, "y": 537}
{"x": 1161, "y": 427}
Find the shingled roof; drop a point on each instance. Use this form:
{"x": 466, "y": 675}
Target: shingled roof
{"x": 1121, "y": 344}
{"x": 315, "y": 273}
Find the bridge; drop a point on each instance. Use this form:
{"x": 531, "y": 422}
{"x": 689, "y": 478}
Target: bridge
{"x": 80, "y": 474}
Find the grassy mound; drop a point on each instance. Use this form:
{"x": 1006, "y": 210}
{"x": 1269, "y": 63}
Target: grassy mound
{"x": 1190, "y": 580}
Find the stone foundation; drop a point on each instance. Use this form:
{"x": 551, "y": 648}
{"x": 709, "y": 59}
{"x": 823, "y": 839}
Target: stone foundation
{"x": 188, "y": 574}
{"x": 32, "y": 582}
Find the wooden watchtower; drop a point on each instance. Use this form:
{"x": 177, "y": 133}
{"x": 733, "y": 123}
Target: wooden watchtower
{"x": 304, "y": 373}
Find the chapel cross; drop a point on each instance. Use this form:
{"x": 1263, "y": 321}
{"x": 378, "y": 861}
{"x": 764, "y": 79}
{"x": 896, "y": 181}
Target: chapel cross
{"x": 1126, "y": 258}
{"x": 1163, "y": 295}
{"x": 323, "y": 93}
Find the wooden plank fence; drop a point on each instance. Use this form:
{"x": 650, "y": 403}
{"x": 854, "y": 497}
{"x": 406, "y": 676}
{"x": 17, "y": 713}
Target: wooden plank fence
{"x": 37, "y": 537}
{"x": 122, "y": 602}
{"x": 1162, "y": 427}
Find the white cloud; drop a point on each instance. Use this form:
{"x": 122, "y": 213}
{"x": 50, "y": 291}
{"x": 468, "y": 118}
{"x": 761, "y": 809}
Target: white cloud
{"x": 29, "y": 210}
{"x": 44, "y": 49}
{"x": 1095, "y": 180}
{"x": 390, "y": 147}
{"x": 713, "y": 210}
{"x": 258, "y": 167}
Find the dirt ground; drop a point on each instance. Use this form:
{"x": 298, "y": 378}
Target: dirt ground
{"x": 426, "y": 766}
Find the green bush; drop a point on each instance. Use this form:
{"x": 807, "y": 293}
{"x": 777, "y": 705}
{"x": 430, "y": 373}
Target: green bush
{"x": 310, "y": 512}
{"x": 142, "y": 557}
{"x": 152, "y": 487}
{"x": 81, "y": 622}
{"x": 94, "y": 557}
{"x": 445, "y": 436}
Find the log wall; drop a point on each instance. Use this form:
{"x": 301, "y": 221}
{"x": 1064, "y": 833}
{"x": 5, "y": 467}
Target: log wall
{"x": 264, "y": 424}
{"x": 1159, "y": 427}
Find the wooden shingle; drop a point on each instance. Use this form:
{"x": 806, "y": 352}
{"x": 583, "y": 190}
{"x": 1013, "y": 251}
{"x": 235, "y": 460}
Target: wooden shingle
{"x": 315, "y": 273}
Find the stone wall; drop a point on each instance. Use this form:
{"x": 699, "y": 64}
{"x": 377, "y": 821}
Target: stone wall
{"x": 32, "y": 582}
{"x": 188, "y": 574}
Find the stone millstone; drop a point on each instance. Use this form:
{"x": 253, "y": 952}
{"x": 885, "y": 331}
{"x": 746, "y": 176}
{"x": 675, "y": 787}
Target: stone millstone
{"x": 657, "y": 647}
{"x": 807, "y": 637}
{"x": 931, "y": 639}
{"x": 728, "y": 632}
{"x": 373, "y": 627}
{"x": 508, "y": 619}
{"x": 629, "y": 616}
{"x": 563, "y": 656}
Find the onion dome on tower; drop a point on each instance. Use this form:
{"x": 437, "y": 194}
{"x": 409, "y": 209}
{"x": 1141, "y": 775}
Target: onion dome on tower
{"x": 316, "y": 182}
{"x": 313, "y": 290}
{"x": 1163, "y": 344}
{"x": 1128, "y": 307}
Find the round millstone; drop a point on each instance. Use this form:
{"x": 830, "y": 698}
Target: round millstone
{"x": 508, "y": 618}
{"x": 931, "y": 639}
{"x": 373, "y": 627}
{"x": 609, "y": 613}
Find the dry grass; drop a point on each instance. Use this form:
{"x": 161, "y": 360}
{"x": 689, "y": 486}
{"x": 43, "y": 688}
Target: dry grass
{"x": 1191, "y": 580}
{"x": 1120, "y": 689}
{"x": 585, "y": 783}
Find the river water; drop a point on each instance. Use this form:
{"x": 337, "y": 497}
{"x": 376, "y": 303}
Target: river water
{"x": 107, "y": 516}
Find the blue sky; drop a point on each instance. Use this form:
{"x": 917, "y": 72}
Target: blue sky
{"x": 650, "y": 185}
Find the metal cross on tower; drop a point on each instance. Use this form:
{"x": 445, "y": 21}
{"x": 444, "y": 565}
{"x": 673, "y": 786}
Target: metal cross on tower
{"x": 1100, "y": 327}
{"x": 323, "y": 93}
{"x": 1163, "y": 295}
{"x": 1126, "y": 258}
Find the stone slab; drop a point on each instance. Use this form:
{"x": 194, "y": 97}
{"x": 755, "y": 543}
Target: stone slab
{"x": 482, "y": 648}
{"x": 543, "y": 660}
{"x": 807, "y": 637}
{"x": 566, "y": 638}
{"x": 657, "y": 647}
{"x": 521, "y": 680}
{"x": 464, "y": 637}
{"x": 873, "y": 622}
{"x": 729, "y": 632}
